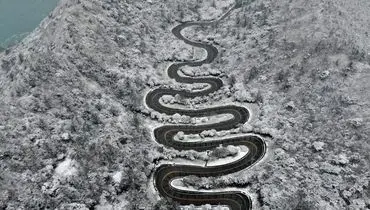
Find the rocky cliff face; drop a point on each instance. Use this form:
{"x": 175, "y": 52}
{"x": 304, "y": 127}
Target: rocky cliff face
{"x": 74, "y": 132}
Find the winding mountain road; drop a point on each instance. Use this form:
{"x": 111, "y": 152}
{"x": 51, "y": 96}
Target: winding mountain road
{"x": 164, "y": 135}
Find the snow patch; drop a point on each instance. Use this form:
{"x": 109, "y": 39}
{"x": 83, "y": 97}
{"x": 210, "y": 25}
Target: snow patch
{"x": 66, "y": 168}
{"x": 117, "y": 177}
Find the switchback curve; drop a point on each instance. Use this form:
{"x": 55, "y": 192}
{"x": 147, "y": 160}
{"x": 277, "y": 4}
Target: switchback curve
{"x": 164, "y": 135}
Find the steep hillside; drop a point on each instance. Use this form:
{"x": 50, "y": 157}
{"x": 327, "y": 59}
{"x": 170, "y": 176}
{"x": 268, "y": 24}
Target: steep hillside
{"x": 307, "y": 65}
{"x": 75, "y": 134}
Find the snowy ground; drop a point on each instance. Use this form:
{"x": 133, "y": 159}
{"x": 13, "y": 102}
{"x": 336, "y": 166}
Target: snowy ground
{"x": 76, "y": 135}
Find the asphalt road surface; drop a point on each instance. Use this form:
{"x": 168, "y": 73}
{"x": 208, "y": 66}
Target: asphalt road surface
{"x": 164, "y": 135}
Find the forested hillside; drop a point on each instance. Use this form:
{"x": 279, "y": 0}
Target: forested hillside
{"x": 75, "y": 133}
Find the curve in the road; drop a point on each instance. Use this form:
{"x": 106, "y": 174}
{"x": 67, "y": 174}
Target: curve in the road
{"x": 164, "y": 135}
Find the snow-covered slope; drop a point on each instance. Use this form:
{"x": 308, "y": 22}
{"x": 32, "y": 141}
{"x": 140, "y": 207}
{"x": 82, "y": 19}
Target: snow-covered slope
{"x": 74, "y": 132}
